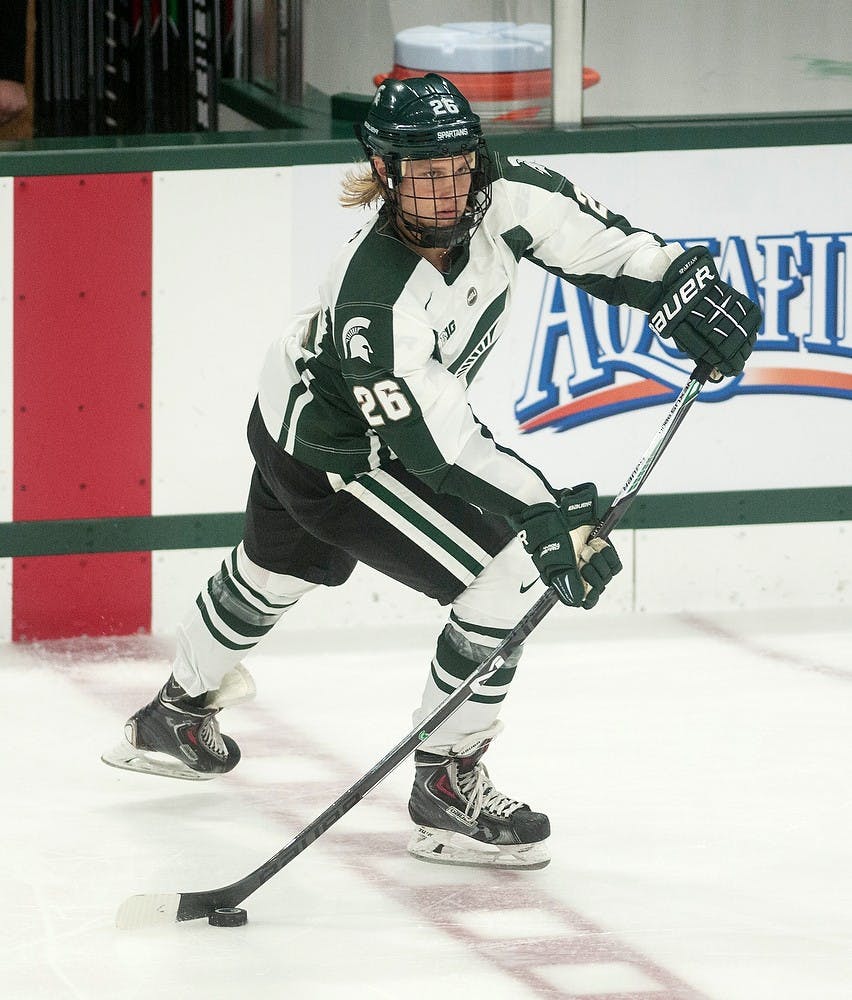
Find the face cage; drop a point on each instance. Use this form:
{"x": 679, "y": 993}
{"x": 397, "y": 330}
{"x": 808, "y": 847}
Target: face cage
{"x": 426, "y": 232}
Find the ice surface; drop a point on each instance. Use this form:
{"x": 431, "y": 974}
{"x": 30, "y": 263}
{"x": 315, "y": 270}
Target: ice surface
{"x": 696, "y": 770}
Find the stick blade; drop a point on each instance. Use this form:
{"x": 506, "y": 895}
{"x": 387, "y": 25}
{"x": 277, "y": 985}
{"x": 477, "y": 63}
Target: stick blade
{"x": 148, "y": 910}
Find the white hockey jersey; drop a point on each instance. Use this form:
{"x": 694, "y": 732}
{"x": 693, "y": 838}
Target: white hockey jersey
{"x": 380, "y": 367}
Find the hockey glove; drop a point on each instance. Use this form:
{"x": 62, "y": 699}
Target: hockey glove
{"x": 707, "y": 318}
{"x": 556, "y": 537}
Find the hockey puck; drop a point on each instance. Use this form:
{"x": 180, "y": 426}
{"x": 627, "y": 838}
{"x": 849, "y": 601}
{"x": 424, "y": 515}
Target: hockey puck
{"x": 228, "y": 916}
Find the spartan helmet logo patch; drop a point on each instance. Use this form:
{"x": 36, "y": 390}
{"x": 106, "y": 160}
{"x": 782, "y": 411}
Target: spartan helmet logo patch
{"x": 472, "y": 296}
{"x": 355, "y": 343}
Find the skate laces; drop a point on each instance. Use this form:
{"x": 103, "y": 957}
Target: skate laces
{"x": 208, "y": 733}
{"x": 476, "y": 786}
{"x": 175, "y": 697}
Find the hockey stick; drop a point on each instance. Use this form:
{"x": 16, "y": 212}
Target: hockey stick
{"x": 144, "y": 910}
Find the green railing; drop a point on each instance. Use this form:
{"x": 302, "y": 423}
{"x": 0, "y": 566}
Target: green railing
{"x": 305, "y": 136}
{"x": 199, "y": 531}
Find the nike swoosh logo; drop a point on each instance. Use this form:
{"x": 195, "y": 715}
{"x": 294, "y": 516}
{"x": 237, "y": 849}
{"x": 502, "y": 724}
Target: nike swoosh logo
{"x": 529, "y": 586}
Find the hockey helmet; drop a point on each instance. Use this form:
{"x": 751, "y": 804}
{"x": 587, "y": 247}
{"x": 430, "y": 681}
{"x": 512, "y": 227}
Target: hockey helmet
{"x": 427, "y": 118}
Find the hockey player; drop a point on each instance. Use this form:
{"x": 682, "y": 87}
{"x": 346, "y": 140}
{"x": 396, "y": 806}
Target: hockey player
{"x": 366, "y": 449}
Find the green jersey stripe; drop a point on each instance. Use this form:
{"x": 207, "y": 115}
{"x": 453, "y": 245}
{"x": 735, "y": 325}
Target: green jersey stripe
{"x": 422, "y": 524}
{"x": 296, "y": 393}
{"x": 397, "y": 519}
{"x": 481, "y": 339}
{"x": 437, "y": 520}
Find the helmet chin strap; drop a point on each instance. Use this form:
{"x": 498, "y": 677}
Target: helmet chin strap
{"x": 430, "y": 236}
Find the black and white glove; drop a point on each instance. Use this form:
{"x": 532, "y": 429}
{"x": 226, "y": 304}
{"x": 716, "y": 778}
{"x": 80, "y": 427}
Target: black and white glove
{"x": 557, "y": 538}
{"x": 708, "y": 319}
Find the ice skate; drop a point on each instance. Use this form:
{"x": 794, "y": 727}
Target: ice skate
{"x": 178, "y": 736}
{"x": 463, "y": 820}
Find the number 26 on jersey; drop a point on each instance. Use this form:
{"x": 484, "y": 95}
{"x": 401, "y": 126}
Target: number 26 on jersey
{"x": 384, "y": 401}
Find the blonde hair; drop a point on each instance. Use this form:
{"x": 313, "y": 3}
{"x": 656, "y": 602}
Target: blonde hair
{"x": 360, "y": 188}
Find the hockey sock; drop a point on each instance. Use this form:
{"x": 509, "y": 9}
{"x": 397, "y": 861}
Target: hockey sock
{"x": 456, "y": 655}
{"x": 241, "y": 604}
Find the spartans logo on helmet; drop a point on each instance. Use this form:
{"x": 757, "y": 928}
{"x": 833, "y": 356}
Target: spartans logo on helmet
{"x": 435, "y": 204}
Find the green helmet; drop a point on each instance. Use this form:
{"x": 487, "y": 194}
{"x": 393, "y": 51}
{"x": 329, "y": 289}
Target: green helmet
{"x": 420, "y": 118}
{"x": 426, "y": 118}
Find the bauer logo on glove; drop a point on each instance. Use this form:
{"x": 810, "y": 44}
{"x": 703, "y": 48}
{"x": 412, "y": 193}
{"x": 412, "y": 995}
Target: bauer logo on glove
{"x": 708, "y": 319}
{"x": 684, "y": 293}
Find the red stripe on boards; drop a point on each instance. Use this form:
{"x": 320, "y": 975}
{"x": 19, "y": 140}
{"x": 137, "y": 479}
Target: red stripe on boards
{"x": 82, "y": 395}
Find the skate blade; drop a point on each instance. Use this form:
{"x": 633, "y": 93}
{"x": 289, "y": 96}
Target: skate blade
{"x": 128, "y": 758}
{"x": 441, "y": 847}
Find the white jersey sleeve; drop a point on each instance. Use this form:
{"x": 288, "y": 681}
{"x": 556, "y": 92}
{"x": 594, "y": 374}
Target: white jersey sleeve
{"x": 561, "y": 228}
